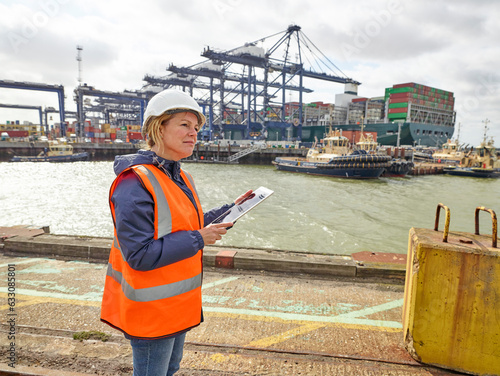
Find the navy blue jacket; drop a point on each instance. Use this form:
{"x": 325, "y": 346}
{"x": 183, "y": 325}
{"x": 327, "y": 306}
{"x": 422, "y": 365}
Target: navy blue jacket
{"x": 134, "y": 216}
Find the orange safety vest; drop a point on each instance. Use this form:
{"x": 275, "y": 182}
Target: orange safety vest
{"x": 167, "y": 300}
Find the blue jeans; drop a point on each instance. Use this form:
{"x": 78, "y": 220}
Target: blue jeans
{"x": 157, "y": 357}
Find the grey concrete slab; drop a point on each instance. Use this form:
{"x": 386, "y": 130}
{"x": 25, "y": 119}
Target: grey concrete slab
{"x": 92, "y": 249}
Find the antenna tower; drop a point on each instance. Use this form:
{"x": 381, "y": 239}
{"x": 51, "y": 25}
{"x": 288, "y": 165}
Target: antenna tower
{"x": 79, "y": 50}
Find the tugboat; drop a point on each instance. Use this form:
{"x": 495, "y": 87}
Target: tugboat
{"x": 481, "y": 163}
{"x": 336, "y": 159}
{"x": 56, "y": 153}
{"x": 450, "y": 153}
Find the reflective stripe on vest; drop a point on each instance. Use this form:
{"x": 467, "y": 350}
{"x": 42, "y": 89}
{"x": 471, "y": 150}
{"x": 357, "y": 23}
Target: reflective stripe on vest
{"x": 156, "y": 292}
{"x": 190, "y": 178}
{"x": 164, "y": 217}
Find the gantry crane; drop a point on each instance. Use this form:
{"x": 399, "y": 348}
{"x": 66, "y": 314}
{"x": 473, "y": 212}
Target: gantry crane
{"x": 262, "y": 82}
{"x": 279, "y": 71}
{"x": 84, "y": 90}
{"x": 49, "y": 110}
{"x": 229, "y": 95}
{"x": 59, "y": 89}
{"x": 119, "y": 112}
{"x": 22, "y": 107}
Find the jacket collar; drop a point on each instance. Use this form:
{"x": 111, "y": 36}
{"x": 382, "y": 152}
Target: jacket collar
{"x": 171, "y": 168}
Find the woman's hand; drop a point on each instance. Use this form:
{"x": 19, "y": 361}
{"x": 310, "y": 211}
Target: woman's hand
{"x": 214, "y": 232}
{"x": 243, "y": 197}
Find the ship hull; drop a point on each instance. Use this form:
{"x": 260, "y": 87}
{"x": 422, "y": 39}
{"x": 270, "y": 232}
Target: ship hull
{"x": 57, "y": 158}
{"x": 473, "y": 172}
{"x": 409, "y": 133}
{"x": 349, "y": 170}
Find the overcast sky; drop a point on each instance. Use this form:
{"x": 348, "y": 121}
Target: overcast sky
{"x": 451, "y": 45}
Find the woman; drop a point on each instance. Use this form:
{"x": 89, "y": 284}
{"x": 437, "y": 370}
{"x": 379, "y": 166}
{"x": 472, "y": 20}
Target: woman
{"x": 153, "y": 283}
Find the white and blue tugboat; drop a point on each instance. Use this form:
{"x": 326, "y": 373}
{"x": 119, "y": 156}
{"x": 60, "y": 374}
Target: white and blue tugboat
{"x": 336, "y": 158}
{"x": 57, "y": 152}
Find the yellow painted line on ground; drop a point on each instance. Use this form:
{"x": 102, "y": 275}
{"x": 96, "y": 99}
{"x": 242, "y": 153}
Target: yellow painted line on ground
{"x": 218, "y": 282}
{"x": 353, "y": 320}
{"x": 26, "y": 300}
{"x": 269, "y": 341}
{"x": 348, "y": 317}
{"x": 270, "y": 319}
{"x": 31, "y": 300}
{"x": 221, "y": 358}
{"x": 25, "y": 303}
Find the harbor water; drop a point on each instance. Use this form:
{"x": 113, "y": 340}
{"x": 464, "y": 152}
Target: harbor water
{"x": 306, "y": 213}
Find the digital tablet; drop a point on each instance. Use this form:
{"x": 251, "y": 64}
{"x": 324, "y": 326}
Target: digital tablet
{"x": 239, "y": 210}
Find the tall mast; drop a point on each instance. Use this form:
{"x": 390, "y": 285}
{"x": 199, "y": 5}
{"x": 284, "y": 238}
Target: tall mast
{"x": 79, "y": 50}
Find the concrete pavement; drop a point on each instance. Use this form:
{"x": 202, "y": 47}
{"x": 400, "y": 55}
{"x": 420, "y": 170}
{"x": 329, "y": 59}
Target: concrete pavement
{"x": 266, "y": 313}
{"x": 256, "y": 323}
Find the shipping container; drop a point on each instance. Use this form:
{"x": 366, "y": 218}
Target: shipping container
{"x": 398, "y": 105}
{"x": 403, "y": 90}
{"x": 13, "y": 134}
{"x": 398, "y": 110}
{"x": 134, "y": 136}
{"x": 409, "y": 84}
{"x": 420, "y": 88}
{"x": 397, "y": 116}
{"x": 402, "y": 95}
{"x": 400, "y": 100}
{"x": 357, "y": 100}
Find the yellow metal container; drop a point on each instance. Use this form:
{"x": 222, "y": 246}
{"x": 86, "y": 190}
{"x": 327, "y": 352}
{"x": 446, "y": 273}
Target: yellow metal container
{"x": 451, "y": 313}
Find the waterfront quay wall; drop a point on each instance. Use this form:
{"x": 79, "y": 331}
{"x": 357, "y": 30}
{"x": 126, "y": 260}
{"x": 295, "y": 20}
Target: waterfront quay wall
{"x": 36, "y": 241}
{"x": 202, "y": 153}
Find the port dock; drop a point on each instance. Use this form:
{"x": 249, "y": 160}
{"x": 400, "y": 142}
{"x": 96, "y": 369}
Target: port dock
{"x": 266, "y": 312}
{"x": 221, "y": 154}
{"x": 202, "y": 153}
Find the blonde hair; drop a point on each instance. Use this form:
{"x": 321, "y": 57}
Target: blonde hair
{"x": 152, "y": 130}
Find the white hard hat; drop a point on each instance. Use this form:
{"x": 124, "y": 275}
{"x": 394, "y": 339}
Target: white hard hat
{"x": 172, "y": 101}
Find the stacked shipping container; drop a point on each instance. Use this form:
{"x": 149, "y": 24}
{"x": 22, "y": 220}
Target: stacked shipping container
{"x": 106, "y": 133}
{"x": 365, "y": 109}
{"x": 399, "y": 97}
{"x": 15, "y": 129}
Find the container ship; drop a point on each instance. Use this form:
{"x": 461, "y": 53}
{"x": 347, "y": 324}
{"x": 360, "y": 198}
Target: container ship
{"x": 409, "y": 114}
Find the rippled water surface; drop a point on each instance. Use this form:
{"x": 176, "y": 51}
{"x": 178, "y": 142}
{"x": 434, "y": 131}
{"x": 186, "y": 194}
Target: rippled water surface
{"x": 306, "y": 213}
